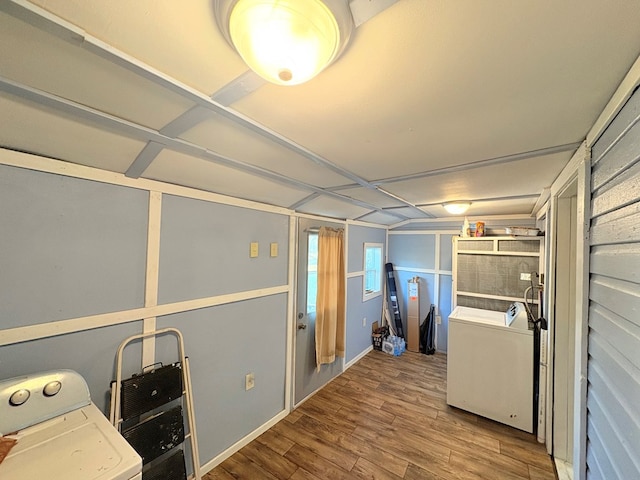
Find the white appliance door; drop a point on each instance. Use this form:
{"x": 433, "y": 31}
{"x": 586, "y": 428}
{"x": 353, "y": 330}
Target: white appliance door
{"x": 490, "y": 372}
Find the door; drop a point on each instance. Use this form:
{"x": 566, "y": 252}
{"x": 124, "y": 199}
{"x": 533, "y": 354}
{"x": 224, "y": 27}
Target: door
{"x": 564, "y": 326}
{"x": 307, "y": 379}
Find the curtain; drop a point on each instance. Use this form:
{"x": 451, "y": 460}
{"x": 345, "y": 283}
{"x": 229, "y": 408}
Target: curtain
{"x": 330, "y": 302}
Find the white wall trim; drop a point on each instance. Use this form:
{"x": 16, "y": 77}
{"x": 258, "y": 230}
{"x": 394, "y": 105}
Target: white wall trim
{"x": 221, "y": 457}
{"x": 340, "y": 221}
{"x": 48, "y": 165}
{"x": 424, "y": 232}
{"x": 431, "y": 271}
{"x": 51, "y": 329}
{"x": 291, "y": 314}
{"x": 151, "y": 276}
{"x": 582, "y": 318}
{"x": 493, "y": 297}
{"x": 578, "y": 169}
{"x": 570, "y": 171}
{"x": 355, "y": 274}
{"x": 360, "y": 223}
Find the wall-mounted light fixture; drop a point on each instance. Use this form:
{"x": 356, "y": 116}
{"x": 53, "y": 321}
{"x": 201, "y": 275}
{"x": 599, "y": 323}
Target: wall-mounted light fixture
{"x": 286, "y": 42}
{"x": 456, "y": 208}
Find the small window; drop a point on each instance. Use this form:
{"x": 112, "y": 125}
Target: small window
{"x": 312, "y": 273}
{"x": 372, "y": 280}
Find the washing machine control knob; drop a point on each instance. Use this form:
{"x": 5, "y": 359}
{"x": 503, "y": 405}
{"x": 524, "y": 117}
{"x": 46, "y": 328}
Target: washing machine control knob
{"x": 51, "y": 388}
{"x": 18, "y": 397}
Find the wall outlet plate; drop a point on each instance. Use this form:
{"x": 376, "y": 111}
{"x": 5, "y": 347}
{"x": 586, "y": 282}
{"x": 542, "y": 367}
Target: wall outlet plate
{"x": 249, "y": 381}
{"x": 253, "y": 250}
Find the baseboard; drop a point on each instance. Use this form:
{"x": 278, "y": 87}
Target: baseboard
{"x": 358, "y": 358}
{"x": 210, "y": 465}
{"x": 563, "y": 469}
{"x": 217, "y": 460}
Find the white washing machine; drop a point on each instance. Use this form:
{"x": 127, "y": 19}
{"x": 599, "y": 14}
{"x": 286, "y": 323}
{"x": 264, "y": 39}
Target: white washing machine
{"x": 490, "y": 364}
{"x": 59, "y": 433}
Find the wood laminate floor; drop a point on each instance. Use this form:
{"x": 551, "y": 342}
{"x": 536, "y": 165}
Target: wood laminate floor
{"x": 386, "y": 418}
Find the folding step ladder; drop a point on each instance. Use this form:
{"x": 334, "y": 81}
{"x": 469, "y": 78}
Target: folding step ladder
{"x": 149, "y": 409}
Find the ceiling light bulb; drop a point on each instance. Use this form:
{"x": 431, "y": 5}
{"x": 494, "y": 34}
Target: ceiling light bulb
{"x": 286, "y": 42}
{"x": 457, "y": 208}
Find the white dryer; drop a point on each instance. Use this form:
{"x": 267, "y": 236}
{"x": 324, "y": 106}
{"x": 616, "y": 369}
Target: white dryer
{"x": 59, "y": 433}
{"x": 490, "y": 364}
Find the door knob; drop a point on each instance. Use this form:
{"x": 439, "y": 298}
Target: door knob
{"x": 302, "y": 326}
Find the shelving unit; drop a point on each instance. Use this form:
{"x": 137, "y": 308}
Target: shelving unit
{"x": 486, "y": 270}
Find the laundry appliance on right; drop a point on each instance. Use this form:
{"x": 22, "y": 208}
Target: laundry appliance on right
{"x": 490, "y": 364}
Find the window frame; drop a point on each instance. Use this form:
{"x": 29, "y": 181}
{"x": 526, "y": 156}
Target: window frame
{"x": 374, "y": 293}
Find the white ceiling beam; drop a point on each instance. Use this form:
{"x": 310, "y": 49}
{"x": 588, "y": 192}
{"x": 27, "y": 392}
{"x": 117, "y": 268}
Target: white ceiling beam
{"x": 405, "y": 202}
{"x": 301, "y": 202}
{"x": 46, "y": 21}
{"x": 364, "y": 10}
{"x": 144, "y": 159}
{"x": 238, "y": 88}
{"x": 485, "y": 199}
{"x": 120, "y": 126}
{"x": 481, "y": 163}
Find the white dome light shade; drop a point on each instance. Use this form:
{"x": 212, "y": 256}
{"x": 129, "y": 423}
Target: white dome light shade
{"x": 287, "y": 42}
{"x": 457, "y": 208}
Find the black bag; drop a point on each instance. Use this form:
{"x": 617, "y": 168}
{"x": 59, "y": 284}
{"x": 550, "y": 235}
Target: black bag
{"x": 427, "y": 332}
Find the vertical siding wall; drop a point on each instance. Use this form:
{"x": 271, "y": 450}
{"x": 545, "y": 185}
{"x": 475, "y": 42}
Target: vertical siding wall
{"x": 613, "y": 392}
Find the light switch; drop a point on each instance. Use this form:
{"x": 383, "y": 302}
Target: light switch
{"x": 253, "y": 250}
{"x": 274, "y": 249}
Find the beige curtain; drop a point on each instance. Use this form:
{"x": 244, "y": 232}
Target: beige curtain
{"x": 330, "y": 303}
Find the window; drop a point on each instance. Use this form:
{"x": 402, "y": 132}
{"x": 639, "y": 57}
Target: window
{"x": 372, "y": 280}
{"x": 312, "y": 273}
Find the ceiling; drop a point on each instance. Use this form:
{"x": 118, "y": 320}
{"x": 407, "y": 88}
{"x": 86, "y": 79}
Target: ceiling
{"x": 432, "y": 101}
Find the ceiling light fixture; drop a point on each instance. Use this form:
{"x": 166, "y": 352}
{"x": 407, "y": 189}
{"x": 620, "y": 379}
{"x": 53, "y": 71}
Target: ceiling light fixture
{"x": 287, "y": 42}
{"x": 456, "y": 208}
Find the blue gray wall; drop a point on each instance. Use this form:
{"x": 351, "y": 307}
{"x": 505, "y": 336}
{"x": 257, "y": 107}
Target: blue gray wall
{"x": 73, "y": 248}
{"x": 359, "y": 335}
{"x": 613, "y": 389}
{"x": 69, "y": 248}
{"x": 426, "y": 255}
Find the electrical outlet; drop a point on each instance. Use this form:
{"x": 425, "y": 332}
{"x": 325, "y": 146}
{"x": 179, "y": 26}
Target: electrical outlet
{"x": 364, "y": 322}
{"x": 253, "y": 249}
{"x": 249, "y": 381}
{"x": 525, "y": 276}
{"x": 438, "y": 320}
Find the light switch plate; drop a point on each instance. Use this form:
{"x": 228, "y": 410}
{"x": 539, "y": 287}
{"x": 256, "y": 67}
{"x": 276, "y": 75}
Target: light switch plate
{"x": 274, "y": 249}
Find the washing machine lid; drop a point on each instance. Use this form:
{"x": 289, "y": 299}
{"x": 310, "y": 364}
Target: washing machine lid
{"x": 79, "y": 445}
{"x": 478, "y": 315}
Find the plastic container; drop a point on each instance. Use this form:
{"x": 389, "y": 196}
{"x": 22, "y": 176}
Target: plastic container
{"x": 394, "y": 345}
{"x": 466, "y": 230}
